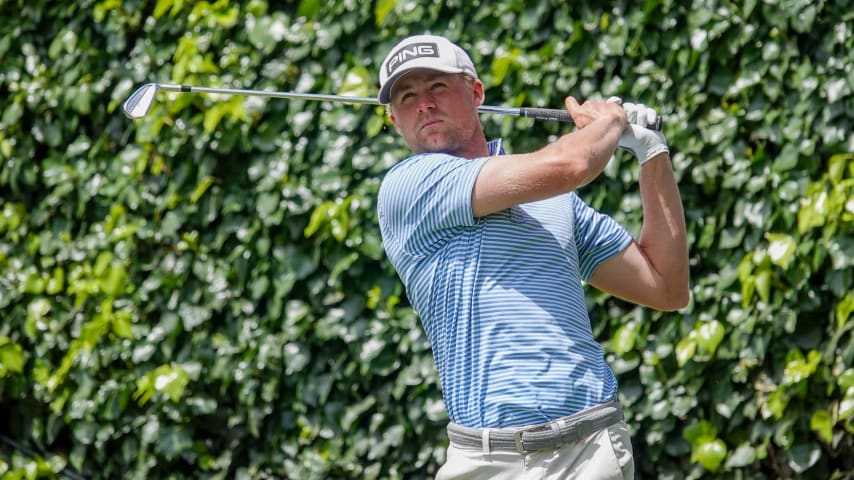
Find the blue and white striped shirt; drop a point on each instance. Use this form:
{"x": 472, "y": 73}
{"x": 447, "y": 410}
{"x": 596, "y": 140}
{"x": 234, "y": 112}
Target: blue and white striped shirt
{"x": 500, "y": 297}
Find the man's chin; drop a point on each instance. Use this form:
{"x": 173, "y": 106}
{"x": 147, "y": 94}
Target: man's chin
{"x": 436, "y": 149}
{"x": 439, "y": 145}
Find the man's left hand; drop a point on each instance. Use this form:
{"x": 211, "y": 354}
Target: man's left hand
{"x": 639, "y": 138}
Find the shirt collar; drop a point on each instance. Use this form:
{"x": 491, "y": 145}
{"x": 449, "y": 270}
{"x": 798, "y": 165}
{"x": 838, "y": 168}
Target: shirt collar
{"x": 495, "y": 147}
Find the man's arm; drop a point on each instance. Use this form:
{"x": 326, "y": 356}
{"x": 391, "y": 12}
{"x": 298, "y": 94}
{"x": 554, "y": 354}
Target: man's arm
{"x": 573, "y": 160}
{"x": 653, "y": 270}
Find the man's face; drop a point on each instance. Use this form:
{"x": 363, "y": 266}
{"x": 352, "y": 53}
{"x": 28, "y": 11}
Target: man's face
{"x": 437, "y": 112}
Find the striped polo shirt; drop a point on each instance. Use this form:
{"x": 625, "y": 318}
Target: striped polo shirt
{"x": 500, "y": 297}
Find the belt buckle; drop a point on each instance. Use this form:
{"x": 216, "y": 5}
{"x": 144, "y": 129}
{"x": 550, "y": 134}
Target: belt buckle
{"x": 520, "y": 447}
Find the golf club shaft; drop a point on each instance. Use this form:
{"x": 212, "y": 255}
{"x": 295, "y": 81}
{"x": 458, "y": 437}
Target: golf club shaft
{"x": 538, "y": 113}
{"x": 137, "y": 105}
{"x": 271, "y": 94}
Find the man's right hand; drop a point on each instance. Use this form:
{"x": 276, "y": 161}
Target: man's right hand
{"x": 586, "y": 113}
{"x": 575, "y": 159}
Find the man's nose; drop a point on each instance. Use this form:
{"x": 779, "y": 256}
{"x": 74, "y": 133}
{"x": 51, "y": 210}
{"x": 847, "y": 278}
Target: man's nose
{"x": 425, "y": 103}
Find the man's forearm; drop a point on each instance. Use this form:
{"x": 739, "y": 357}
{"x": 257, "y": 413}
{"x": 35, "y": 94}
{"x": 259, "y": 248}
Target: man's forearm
{"x": 662, "y": 236}
{"x": 589, "y": 148}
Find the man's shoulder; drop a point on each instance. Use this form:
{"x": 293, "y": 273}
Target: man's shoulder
{"x": 420, "y": 163}
{"x": 426, "y": 157}
{"x": 400, "y": 176}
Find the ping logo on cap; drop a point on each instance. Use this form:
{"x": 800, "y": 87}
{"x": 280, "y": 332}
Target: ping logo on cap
{"x": 411, "y": 52}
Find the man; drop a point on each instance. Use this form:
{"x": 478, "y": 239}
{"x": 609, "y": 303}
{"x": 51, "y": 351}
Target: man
{"x": 493, "y": 250}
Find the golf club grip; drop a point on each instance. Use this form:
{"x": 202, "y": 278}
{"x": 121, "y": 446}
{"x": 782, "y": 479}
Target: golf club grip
{"x": 545, "y": 114}
{"x": 563, "y": 115}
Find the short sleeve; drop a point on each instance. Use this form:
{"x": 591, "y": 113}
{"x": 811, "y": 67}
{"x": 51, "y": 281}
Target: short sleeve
{"x": 598, "y": 237}
{"x": 424, "y": 198}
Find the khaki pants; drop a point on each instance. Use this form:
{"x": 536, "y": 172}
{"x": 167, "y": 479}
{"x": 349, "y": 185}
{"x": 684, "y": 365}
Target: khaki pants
{"x": 606, "y": 454}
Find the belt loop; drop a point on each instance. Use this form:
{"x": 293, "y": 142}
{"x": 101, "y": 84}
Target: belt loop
{"x": 557, "y": 430}
{"x": 485, "y": 441}
{"x": 557, "y": 426}
{"x": 517, "y": 437}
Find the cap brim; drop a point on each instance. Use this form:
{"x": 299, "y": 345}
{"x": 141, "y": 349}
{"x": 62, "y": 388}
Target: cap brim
{"x": 385, "y": 91}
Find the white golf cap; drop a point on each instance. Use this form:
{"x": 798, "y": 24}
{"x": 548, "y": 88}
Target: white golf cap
{"x": 422, "y": 51}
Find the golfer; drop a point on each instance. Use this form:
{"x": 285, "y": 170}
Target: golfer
{"x": 494, "y": 250}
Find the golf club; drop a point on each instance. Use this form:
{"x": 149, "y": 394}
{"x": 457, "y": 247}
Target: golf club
{"x": 138, "y": 104}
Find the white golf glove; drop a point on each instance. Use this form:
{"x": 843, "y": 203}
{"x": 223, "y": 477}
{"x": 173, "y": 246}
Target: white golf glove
{"x": 643, "y": 142}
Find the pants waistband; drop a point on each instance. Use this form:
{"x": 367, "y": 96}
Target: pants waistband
{"x": 543, "y": 436}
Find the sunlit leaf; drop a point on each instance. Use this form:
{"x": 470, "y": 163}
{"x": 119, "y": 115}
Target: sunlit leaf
{"x": 685, "y": 350}
{"x": 357, "y": 83}
{"x": 170, "y": 379}
{"x": 846, "y": 406}
{"x": 309, "y": 8}
{"x": 798, "y": 368}
{"x": 812, "y": 213}
{"x": 709, "y": 454}
{"x": 381, "y": 10}
{"x": 11, "y": 357}
{"x": 743, "y": 456}
{"x": 781, "y": 249}
{"x": 763, "y": 284}
{"x": 624, "y": 338}
{"x": 709, "y": 335}
{"x": 699, "y": 432}
{"x": 201, "y": 188}
{"x": 162, "y": 7}
{"x": 822, "y": 424}
{"x": 777, "y": 402}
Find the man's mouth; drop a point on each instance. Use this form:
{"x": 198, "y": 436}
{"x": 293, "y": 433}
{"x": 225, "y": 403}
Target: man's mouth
{"x": 430, "y": 123}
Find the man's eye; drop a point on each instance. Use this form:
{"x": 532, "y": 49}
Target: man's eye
{"x": 406, "y": 96}
{"x": 437, "y": 85}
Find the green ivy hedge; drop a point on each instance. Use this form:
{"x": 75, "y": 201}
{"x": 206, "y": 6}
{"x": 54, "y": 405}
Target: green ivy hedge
{"x": 203, "y": 293}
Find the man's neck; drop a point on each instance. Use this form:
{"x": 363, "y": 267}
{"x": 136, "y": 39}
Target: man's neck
{"x": 478, "y": 148}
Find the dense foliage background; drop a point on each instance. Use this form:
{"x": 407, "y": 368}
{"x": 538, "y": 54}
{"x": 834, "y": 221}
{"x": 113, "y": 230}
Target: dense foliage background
{"x": 203, "y": 293}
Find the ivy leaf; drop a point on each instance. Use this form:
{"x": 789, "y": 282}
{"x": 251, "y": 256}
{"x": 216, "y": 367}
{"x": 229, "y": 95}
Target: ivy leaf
{"x": 122, "y": 325}
{"x": 743, "y": 456}
{"x": 781, "y": 249}
{"x": 624, "y": 338}
{"x": 846, "y": 406}
{"x": 699, "y": 432}
{"x": 502, "y": 63}
{"x": 709, "y": 335}
{"x": 201, "y": 188}
{"x": 382, "y": 9}
{"x": 685, "y": 350}
{"x": 308, "y": 8}
{"x": 822, "y": 424}
{"x": 798, "y": 369}
{"x": 803, "y": 456}
{"x": 763, "y": 284}
{"x": 171, "y": 379}
{"x": 709, "y": 454}
{"x": 356, "y": 82}
{"x": 11, "y": 357}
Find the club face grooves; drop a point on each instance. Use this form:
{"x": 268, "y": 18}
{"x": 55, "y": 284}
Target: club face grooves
{"x": 138, "y": 104}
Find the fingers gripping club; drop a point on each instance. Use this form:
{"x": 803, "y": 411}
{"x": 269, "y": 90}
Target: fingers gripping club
{"x": 640, "y": 138}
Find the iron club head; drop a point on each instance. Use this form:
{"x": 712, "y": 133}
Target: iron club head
{"x": 138, "y": 104}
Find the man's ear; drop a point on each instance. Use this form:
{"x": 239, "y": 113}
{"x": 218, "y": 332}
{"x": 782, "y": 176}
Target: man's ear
{"x": 392, "y": 118}
{"x": 478, "y": 93}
